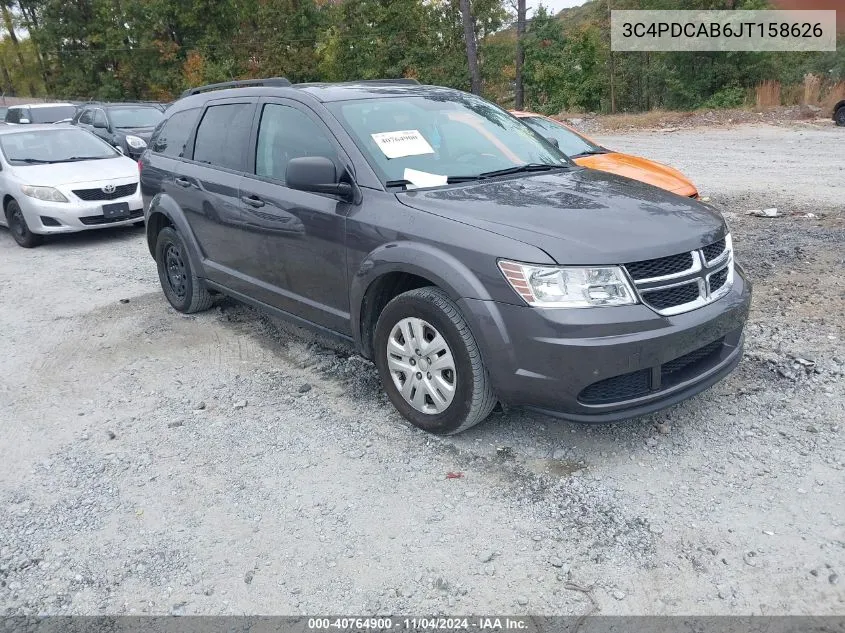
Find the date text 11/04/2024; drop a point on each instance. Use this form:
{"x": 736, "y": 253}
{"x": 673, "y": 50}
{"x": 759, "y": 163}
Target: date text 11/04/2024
{"x": 418, "y": 624}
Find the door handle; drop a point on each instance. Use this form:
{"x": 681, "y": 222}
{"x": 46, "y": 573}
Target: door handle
{"x": 183, "y": 182}
{"x": 253, "y": 201}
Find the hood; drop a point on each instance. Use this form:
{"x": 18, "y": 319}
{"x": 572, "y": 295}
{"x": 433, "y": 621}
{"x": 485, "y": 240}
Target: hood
{"x": 640, "y": 169}
{"x": 141, "y": 132}
{"x": 579, "y": 216}
{"x": 56, "y": 174}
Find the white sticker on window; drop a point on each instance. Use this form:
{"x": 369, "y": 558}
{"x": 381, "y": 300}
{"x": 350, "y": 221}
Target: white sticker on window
{"x": 423, "y": 179}
{"x": 402, "y": 143}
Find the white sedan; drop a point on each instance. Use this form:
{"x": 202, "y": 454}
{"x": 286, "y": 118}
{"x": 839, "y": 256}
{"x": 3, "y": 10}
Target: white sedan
{"x": 57, "y": 179}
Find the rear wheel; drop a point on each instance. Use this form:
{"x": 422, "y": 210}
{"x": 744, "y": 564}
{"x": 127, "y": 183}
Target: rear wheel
{"x": 429, "y": 363}
{"x": 19, "y": 228}
{"x": 840, "y": 116}
{"x": 183, "y": 289}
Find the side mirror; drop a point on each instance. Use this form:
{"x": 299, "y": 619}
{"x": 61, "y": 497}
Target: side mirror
{"x": 553, "y": 141}
{"x": 23, "y": 121}
{"x": 100, "y": 124}
{"x": 316, "y": 174}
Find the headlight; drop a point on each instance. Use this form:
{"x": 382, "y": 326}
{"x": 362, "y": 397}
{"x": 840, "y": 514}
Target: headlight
{"x": 135, "y": 142}
{"x": 44, "y": 193}
{"x": 568, "y": 286}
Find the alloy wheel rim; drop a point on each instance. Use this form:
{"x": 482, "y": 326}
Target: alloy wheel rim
{"x": 175, "y": 270}
{"x": 421, "y": 365}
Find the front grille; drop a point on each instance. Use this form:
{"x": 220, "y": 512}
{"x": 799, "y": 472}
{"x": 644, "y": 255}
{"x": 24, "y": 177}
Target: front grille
{"x": 639, "y": 383}
{"x": 660, "y": 267}
{"x": 624, "y": 387}
{"x": 693, "y": 358}
{"x": 672, "y": 297}
{"x": 120, "y": 191}
{"x": 100, "y": 219}
{"x": 717, "y": 280}
{"x": 714, "y": 250}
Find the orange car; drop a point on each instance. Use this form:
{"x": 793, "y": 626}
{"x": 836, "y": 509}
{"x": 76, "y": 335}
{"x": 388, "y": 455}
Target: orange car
{"x": 589, "y": 154}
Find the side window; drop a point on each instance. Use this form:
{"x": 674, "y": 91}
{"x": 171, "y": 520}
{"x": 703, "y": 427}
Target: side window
{"x": 12, "y": 115}
{"x": 99, "y": 119}
{"x": 223, "y": 136}
{"x": 85, "y": 118}
{"x": 285, "y": 133}
{"x": 174, "y": 132}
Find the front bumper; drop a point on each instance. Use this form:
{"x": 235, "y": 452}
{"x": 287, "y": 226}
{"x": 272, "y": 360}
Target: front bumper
{"x": 607, "y": 364}
{"x": 69, "y": 217}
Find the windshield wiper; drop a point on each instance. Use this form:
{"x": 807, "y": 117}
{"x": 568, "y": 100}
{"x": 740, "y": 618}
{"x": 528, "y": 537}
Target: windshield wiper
{"x": 528, "y": 167}
{"x": 32, "y": 161}
{"x": 75, "y": 159}
{"x": 398, "y": 183}
{"x": 591, "y": 152}
{"x": 449, "y": 181}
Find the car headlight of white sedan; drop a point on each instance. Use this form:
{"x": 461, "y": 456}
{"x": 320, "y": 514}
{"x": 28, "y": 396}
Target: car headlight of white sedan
{"x": 135, "y": 142}
{"x": 48, "y": 194}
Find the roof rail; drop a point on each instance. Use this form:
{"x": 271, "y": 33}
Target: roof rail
{"x": 241, "y": 83}
{"x": 403, "y": 80}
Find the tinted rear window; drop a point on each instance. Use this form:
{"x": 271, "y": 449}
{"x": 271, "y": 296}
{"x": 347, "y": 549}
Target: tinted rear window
{"x": 51, "y": 114}
{"x": 137, "y": 117}
{"x": 223, "y": 136}
{"x": 172, "y": 136}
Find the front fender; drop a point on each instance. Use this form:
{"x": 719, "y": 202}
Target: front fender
{"x": 165, "y": 205}
{"x": 438, "y": 266}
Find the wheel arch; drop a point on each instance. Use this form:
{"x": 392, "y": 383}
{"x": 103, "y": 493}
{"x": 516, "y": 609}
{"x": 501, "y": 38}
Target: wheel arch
{"x": 165, "y": 212}
{"x": 7, "y": 198}
{"x": 397, "y": 267}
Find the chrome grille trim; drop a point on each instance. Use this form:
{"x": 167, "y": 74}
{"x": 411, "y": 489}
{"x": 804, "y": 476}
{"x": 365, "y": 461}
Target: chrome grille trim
{"x": 700, "y": 273}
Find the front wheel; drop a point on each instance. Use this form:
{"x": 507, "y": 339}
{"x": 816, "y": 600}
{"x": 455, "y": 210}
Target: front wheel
{"x": 840, "y": 116}
{"x": 430, "y": 364}
{"x": 19, "y": 228}
{"x": 183, "y": 289}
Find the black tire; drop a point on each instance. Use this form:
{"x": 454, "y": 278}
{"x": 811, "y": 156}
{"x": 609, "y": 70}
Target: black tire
{"x": 183, "y": 289}
{"x": 840, "y": 117}
{"x": 19, "y": 228}
{"x": 473, "y": 398}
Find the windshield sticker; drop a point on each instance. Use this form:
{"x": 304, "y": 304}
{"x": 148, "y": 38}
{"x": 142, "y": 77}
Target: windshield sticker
{"x": 402, "y": 143}
{"x": 423, "y": 179}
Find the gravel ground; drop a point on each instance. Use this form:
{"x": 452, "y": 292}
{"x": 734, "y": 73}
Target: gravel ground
{"x": 222, "y": 463}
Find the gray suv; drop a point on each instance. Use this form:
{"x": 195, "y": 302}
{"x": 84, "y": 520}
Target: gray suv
{"x": 469, "y": 258}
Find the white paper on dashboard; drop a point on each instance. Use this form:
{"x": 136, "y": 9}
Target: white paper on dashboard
{"x": 423, "y": 179}
{"x": 402, "y": 143}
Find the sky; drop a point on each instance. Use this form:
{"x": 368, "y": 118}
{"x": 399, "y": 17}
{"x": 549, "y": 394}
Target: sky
{"x": 552, "y": 5}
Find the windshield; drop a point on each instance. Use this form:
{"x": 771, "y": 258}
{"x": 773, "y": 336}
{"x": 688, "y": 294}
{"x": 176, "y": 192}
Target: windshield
{"x": 427, "y": 139}
{"x": 570, "y": 143}
{"x": 61, "y": 145}
{"x": 135, "y": 117}
{"x": 51, "y": 114}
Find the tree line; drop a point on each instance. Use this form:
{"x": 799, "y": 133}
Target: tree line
{"x": 153, "y": 49}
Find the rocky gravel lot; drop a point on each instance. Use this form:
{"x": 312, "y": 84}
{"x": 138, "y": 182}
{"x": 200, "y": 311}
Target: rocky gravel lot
{"x": 222, "y": 463}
